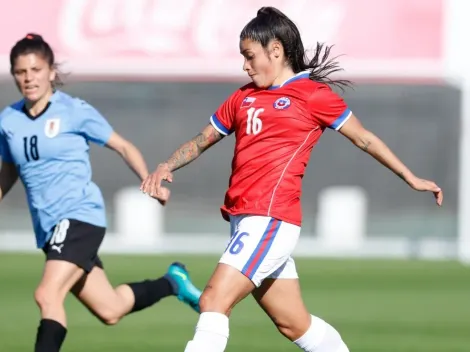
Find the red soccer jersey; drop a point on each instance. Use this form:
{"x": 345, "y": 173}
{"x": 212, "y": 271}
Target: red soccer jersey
{"x": 275, "y": 131}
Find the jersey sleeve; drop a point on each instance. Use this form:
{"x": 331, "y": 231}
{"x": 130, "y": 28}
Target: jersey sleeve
{"x": 328, "y": 108}
{"x": 93, "y": 125}
{"x": 224, "y": 117}
{"x": 5, "y": 153}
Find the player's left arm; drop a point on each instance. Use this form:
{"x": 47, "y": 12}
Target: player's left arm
{"x": 129, "y": 153}
{"x": 331, "y": 110}
{"x": 96, "y": 129}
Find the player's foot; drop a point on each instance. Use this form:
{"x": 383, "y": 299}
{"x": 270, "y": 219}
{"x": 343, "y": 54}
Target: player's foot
{"x": 183, "y": 288}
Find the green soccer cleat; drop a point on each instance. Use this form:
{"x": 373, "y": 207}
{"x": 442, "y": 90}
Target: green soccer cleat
{"x": 183, "y": 288}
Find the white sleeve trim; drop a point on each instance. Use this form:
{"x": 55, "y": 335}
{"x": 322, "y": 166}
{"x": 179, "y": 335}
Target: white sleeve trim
{"x": 344, "y": 121}
{"x": 214, "y": 124}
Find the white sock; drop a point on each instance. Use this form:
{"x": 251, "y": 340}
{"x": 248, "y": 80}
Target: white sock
{"x": 211, "y": 333}
{"x": 321, "y": 337}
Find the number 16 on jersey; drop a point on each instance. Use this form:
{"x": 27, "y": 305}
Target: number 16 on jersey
{"x": 253, "y": 122}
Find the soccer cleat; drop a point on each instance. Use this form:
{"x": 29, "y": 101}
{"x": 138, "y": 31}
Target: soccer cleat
{"x": 183, "y": 288}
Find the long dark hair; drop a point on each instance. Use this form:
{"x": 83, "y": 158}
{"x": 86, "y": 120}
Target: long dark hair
{"x": 271, "y": 24}
{"x": 33, "y": 43}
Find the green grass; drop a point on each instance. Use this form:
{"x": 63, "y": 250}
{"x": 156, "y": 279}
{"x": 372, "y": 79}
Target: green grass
{"x": 387, "y": 306}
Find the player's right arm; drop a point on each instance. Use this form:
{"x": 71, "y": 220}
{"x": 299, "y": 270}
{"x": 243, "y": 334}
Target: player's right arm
{"x": 221, "y": 124}
{"x": 192, "y": 149}
{"x": 8, "y": 178}
{"x": 182, "y": 156}
{"x": 8, "y": 173}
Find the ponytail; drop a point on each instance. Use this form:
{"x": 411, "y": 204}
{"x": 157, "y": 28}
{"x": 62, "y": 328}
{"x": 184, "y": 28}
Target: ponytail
{"x": 271, "y": 24}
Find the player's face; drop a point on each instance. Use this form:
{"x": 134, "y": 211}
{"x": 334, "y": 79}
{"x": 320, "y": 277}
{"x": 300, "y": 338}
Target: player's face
{"x": 33, "y": 76}
{"x": 260, "y": 64}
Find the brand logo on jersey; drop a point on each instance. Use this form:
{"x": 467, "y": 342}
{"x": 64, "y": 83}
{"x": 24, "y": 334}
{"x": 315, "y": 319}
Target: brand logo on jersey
{"x": 282, "y": 103}
{"x": 52, "y": 128}
{"x": 247, "y": 102}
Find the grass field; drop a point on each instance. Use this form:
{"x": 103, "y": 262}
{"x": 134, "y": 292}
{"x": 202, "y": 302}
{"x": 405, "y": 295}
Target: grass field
{"x": 384, "y": 306}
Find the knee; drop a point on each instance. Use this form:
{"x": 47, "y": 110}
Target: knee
{"x": 212, "y": 300}
{"x": 47, "y": 297}
{"x": 207, "y": 300}
{"x": 108, "y": 318}
{"x": 292, "y": 329}
{"x": 109, "y": 314}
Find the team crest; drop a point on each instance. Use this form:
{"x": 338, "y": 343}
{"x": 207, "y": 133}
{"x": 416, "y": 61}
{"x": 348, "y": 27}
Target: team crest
{"x": 52, "y": 128}
{"x": 282, "y": 103}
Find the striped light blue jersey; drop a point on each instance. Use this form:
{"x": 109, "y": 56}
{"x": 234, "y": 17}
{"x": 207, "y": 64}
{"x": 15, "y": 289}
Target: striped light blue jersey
{"x": 51, "y": 154}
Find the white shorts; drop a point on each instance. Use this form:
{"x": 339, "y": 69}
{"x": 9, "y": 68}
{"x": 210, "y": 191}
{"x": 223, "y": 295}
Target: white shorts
{"x": 260, "y": 247}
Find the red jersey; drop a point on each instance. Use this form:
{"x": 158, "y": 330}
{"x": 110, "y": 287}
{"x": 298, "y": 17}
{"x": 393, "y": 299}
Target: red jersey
{"x": 275, "y": 131}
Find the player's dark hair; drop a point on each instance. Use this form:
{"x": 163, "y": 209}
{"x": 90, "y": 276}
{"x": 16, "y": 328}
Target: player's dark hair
{"x": 33, "y": 43}
{"x": 271, "y": 24}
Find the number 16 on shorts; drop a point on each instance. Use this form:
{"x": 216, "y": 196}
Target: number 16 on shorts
{"x": 259, "y": 245}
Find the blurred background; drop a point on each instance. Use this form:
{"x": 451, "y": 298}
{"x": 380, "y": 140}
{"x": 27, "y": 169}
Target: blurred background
{"x": 158, "y": 69}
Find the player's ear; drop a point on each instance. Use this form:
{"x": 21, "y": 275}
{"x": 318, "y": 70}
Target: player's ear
{"x": 52, "y": 75}
{"x": 276, "y": 49}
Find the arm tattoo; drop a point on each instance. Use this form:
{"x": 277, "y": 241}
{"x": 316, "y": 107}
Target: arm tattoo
{"x": 189, "y": 151}
{"x": 365, "y": 145}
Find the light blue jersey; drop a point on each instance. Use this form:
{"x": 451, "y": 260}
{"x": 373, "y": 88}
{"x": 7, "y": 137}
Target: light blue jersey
{"x": 51, "y": 153}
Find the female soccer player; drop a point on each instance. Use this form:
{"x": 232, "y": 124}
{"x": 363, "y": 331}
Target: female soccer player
{"x": 277, "y": 119}
{"x": 44, "y": 141}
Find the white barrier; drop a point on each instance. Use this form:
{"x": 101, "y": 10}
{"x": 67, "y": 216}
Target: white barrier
{"x": 139, "y": 224}
{"x": 341, "y": 219}
{"x": 138, "y": 219}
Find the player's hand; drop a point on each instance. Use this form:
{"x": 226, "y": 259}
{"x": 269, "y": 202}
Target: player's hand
{"x": 163, "y": 195}
{"x": 152, "y": 185}
{"x": 422, "y": 185}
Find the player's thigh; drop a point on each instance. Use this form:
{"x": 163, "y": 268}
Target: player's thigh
{"x": 71, "y": 252}
{"x": 96, "y": 293}
{"x": 258, "y": 246}
{"x": 280, "y": 297}
{"x": 226, "y": 287}
{"x": 57, "y": 279}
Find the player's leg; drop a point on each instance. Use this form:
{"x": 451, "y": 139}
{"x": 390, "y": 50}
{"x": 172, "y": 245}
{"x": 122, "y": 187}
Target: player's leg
{"x": 226, "y": 287}
{"x": 255, "y": 251}
{"x": 110, "y": 304}
{"x": 58, "y": 277}
{"x": 62, "y": 270}
{"x": 280, "y": 297}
